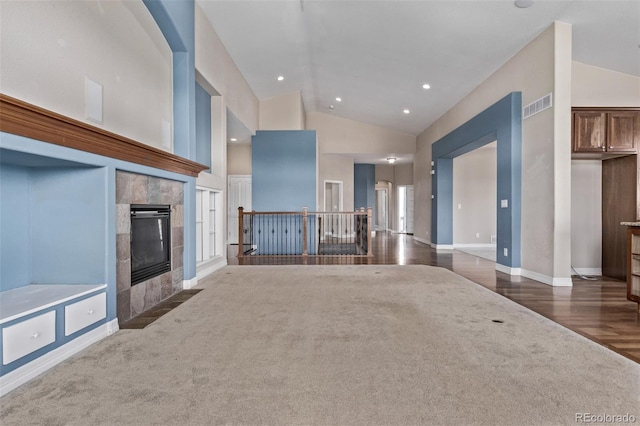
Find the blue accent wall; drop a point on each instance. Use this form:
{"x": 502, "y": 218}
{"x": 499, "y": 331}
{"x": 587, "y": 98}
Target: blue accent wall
{"x": 364, "y": 187}
{"x": 203, "y": 126}
{"x": 283, "y": 170}
{"x": 15, "y": 249}
{"x": 68, "y": 225}
{"x": 502, "y": 122}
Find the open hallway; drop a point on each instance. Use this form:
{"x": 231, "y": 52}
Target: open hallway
{"x": 598, "y": 310}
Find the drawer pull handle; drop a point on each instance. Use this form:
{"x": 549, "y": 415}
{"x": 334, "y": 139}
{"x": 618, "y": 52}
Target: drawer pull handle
{"x": 90, "y": 312}
{"x": 35, "y": 335}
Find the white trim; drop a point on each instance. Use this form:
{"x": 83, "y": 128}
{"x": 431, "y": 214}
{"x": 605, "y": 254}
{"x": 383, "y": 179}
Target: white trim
{"x": 113, "y": 327}
{"x": 23, "y": 374}
{"x": 487, "y": 245}
{"x": 545, "y": 279}
{"x": 210, "y": 267}
{"x": 589, "y": 271}
{"x": 187, "y": 284}
{"x": 442, "y": 246}
{"x": 422, "y": 240}
{"x": 508, "y": 270}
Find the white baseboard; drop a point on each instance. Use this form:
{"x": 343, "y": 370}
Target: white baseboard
{"x": 29, "y": 371}
{"x": 545, "y": 279}
{"x": 589, "y": 271}
{"x": 486, "y": 245}
{"x": 442, "y": 246}
{"x": 210, "y": 268}
{"x": 187, "y": 284}
{"x": 422, "y": 240}
{"x": 508, "y": 270}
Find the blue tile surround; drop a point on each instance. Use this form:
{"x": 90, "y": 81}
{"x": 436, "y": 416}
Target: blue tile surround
{"x": 501, "y": 122}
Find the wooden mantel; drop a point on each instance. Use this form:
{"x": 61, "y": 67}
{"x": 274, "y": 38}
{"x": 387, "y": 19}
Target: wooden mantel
{"x": 24, "y": 119}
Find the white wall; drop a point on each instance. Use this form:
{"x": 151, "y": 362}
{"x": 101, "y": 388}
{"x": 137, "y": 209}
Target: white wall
{"x": 285, "y": 112}
{"x": 541, "y": 67}
{"x": 474, "y": 196}
{"x": 116, "y": 44}
{"x": 586, "y": 216}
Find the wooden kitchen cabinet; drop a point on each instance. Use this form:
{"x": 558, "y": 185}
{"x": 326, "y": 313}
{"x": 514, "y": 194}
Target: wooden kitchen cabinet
{"x": 606, "y": 130}
{"x": 623, "y": 131}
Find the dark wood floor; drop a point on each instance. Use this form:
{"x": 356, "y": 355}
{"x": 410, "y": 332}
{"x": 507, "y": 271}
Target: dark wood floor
{"x": 597, "y": 310}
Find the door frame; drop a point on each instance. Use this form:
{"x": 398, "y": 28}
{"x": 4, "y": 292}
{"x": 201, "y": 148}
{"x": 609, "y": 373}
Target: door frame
{"x": 324, "y": 192}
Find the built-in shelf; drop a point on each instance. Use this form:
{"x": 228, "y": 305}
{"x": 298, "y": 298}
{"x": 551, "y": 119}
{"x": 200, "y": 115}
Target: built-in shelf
{"x": 22, "y": 301}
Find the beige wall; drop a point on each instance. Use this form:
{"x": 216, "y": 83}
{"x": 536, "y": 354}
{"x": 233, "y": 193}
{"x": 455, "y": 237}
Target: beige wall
{"x": 403, "y": 174}
{"x": 541, "y": 67}
{"x": 116, "y": 44}
{"x": 474, "y": 196}
{"x": 215, "y": 65}
{"x": 239, "y": 159}
{"x": 285, "y": 112}
{"x": 586, "y": 216}
{"x": 593, "y": 86}
{"x": 342, "y": 136}
{"x": 340, "y": 140}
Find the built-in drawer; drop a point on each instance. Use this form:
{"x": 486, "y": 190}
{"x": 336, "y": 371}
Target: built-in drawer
{"x": 84, "y": 313}
{"x": 28, "y": 336}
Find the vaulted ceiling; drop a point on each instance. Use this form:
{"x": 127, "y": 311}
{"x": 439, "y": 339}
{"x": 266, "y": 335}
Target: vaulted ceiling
{"x": 376, "y": 55}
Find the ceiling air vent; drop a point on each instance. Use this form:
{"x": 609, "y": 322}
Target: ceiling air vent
{"x": 537, "y": 106}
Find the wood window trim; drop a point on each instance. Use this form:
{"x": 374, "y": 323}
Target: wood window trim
{"x": 24, "y": 119}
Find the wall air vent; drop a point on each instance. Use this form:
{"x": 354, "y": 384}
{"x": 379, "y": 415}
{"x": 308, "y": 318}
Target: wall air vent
{"x": 535, "y": 107}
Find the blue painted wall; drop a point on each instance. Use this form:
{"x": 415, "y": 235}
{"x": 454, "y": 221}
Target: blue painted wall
{"x": 15, "y": 250}
{"x": 203, "y": 126}
{"x": 502, "y": 122}
{"x": 364, "y": 187}
{"x": 283, "y": 170}
{"x": 68, "y": 225}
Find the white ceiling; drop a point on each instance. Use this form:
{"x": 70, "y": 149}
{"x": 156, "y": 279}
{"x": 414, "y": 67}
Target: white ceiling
{"x": 376, "y": 55}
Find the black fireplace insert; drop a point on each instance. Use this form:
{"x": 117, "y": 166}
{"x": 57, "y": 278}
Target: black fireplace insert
{"x": 150, "y": 241}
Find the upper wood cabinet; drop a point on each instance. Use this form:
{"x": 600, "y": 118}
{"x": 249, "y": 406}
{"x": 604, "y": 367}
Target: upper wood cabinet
{"x": 606, "y": 130}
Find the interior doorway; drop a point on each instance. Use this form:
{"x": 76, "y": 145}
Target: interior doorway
{"x": 382, "y": 209}
{"x": 332, "y": 196}
{"x": 239, "y": 196}
{"x": 405, "y": 209}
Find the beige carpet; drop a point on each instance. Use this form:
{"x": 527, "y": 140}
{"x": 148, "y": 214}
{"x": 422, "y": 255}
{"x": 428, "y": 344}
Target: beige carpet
{"x": 335, "y": 345}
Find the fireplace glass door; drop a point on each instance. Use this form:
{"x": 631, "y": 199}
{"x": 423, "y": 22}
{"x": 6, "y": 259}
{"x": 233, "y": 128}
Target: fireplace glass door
{"x": 150, "y": 241}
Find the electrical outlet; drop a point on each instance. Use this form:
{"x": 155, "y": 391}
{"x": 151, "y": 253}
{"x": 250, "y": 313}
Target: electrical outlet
{"x": 459, "y": 206}
{"x": 477, "y": 235}
{"x": 506, "y": 252}
{"x": 504, "y": 204}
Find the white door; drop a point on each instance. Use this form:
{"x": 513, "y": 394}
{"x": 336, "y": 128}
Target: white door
{"x": 239, "y": 196}
{"x": 409, "y": 210}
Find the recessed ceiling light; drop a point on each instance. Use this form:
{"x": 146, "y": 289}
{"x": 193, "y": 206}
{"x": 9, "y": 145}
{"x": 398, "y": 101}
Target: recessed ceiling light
{"x": 339, "y": 99}
{"x": 233, "y": 140}
{"x": 280, "y": 78}
{"x": 406, "y": 111}
{"x": 523, "y": 4}
{"x": 426, "y": 86}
